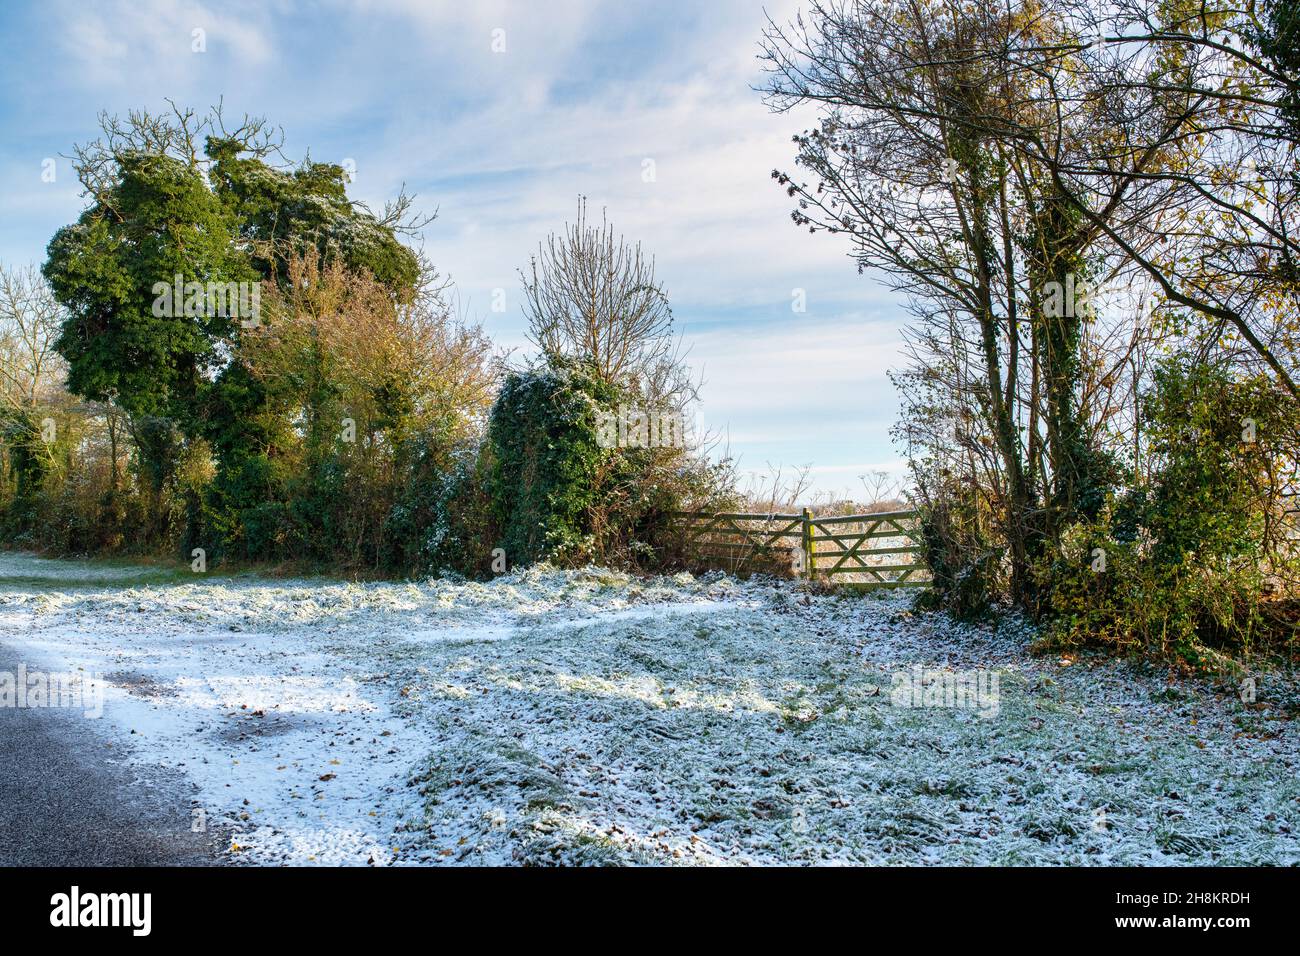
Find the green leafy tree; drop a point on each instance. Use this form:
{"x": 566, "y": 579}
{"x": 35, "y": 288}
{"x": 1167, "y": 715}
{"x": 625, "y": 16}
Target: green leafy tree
{"x": 158, "y": 220}
{"x": 181, "y": 204}
{"x": 281, "y": 213}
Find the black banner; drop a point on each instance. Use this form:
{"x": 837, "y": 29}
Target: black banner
{"x": 326, "y": 905}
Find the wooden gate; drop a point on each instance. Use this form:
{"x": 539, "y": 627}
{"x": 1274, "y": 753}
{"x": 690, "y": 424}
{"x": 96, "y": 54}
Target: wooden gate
{"x": 880, "y": 550}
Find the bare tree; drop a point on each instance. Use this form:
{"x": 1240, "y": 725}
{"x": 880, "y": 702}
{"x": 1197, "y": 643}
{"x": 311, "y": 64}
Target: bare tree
{"x": 30, "y": 320}
{"x": 1166, "y": 130}
{"x": 30, "y": 376}
{"x": 906, "y": 165}
{"x": 1226, "y": 242}
{"x": 592, "y": 296}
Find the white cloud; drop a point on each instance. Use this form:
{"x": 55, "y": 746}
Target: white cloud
{"x": 110, "y": 43}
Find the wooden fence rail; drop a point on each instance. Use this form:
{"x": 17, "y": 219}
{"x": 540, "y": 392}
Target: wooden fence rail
{"x": 878, "y": 550}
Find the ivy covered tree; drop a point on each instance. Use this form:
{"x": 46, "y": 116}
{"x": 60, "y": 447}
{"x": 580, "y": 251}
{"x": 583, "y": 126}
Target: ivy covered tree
{"x": 157, "y": 219}
{"x": 547, "y": 460}
{"x": 182, "y": 202}
{"x": 279, "y": 213}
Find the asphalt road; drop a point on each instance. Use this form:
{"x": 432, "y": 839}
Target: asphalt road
{"x": 64, "y": 802}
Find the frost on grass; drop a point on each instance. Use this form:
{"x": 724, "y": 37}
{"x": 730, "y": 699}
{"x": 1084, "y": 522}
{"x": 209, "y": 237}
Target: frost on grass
{"x": 592, "y": 717}
{"x": 764, "y": 732}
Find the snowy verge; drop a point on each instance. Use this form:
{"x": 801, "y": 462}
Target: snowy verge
{"x": 592, "y": 717}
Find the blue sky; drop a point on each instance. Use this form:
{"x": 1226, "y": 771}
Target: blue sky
{"x": 501, "y": 144}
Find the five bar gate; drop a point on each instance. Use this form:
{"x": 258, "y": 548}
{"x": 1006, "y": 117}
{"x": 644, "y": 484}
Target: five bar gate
{"x": 880, "y": 550}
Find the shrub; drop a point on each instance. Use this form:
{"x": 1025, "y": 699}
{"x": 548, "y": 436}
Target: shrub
{"x": 336, "y": 424}
{"x": 560, "y": 491}
{"x": 961, "y": 552}
{"x": 442, "y": 521}
{"x": 1179, "y": 567}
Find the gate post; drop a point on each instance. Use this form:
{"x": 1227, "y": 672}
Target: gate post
{"x": 809, "y": 546}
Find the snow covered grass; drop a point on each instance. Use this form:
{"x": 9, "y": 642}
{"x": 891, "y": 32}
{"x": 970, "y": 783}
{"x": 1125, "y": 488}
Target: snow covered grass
{"x": 589, "y": 717}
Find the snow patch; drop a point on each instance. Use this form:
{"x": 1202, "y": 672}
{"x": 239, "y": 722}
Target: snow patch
{"x": 593, "y": 717}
